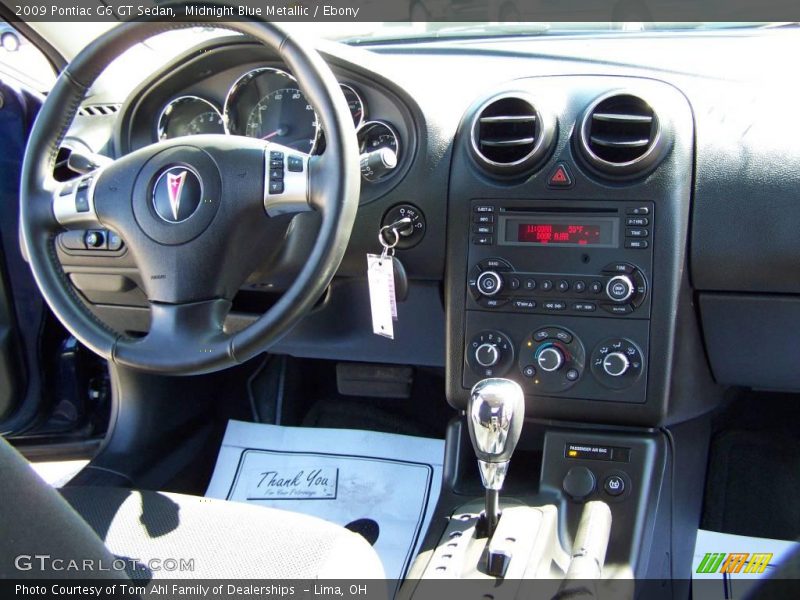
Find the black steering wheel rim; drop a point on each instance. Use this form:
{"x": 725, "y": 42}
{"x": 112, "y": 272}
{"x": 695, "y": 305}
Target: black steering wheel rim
{"x": 188, "y": 338}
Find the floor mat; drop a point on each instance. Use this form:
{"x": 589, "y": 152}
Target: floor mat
{"x": 753, "y": 484}
{"x": 384, "y": 486}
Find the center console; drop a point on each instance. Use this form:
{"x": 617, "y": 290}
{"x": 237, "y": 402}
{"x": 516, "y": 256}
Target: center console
{"x": 568, "y": 216}
{"x": 559, "y": 296}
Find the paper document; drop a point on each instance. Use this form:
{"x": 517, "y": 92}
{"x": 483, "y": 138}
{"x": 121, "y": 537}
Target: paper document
{"x": 340, "y": 475}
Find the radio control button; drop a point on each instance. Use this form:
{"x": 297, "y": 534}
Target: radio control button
{"x": 483, "y": 219}
{"x": 494, "y": 264}
{"x": 524, "y": 304}
{"x": 482, "y": 240}
{"x": 489, "y": 283}
{"x": 618, "y": 288}
{"x": 580, "y": 286}
{"x": 639, "y": 210}
{"x": 636, "y": 244}
{"x": 483, "y": 229}
{"x": 554, "y": 305}
{"x": 529, "y": 284}
{"x": 636, "y": 232}
{"x": 547, "y": 285}
{"x": 493, "y": 302}
{"x": 562, "y": 286}
{"x": 514, "y": 283}
{"x": 584, "y": 307}
{"x": 483, "y": 209}
{"x": 619, "y": 268}
{"x": 618, "y": 309}
{"x": 596, "y": 287}
{"x": 637, "y": 221}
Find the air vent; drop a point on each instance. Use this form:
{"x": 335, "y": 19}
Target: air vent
{"x": 510, "y": 136}
{"x": 621, "y": 135}
{"x": 98, "y": 110}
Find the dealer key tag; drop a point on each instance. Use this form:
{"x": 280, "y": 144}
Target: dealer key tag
{"x": 380, "y": 273}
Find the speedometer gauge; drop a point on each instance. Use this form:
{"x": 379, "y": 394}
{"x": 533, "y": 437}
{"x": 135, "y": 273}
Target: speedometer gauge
{"x": 189, "y": 115}
{"x": 267, "y": 103}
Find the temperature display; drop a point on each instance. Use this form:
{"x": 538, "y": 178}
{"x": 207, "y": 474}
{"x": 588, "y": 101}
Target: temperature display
{"x": 559, "y": 233}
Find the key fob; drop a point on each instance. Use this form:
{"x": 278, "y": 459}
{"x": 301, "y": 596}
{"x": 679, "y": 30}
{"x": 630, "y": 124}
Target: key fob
{"x": 400, "y": 280}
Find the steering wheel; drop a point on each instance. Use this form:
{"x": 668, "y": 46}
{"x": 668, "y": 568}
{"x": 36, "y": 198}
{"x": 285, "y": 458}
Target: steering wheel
{"x": 192, "y": 212}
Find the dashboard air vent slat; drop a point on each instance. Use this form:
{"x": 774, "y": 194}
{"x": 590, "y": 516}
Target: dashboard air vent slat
{"x": 99, "y": 110}
{"x": 621, "y": 135}
{"x": 509, "y": 135}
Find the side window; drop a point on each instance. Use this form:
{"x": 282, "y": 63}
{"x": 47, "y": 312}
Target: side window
{"x": 22, "y": 61}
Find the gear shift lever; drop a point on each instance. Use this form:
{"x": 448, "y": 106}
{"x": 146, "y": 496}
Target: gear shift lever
{"x": 495, "y": 414}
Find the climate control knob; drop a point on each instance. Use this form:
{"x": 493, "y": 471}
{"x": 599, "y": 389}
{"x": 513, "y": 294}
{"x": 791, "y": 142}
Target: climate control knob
{"x": 620, "y": 288}
{"x": 549, "y": 358}
{"x": 616, "y": 364}
{"x": 489, "y": 283}
{"x": 487, "y": 355}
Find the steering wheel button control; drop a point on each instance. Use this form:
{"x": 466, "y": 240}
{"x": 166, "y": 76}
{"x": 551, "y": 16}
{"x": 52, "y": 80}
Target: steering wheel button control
{"x": 95, "y": 239}
{"x": 295, "y": 164}
{"x": 82, "y": 200}
{"x": 614, "y": 485}
{"x": 275, "y": 187}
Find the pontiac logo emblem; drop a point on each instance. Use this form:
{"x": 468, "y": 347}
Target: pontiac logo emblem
{"x": 177, "y": 194}
{"x": 174, "y": 189}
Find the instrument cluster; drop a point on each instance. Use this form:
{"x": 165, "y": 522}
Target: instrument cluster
{"x": 267, "y": 103}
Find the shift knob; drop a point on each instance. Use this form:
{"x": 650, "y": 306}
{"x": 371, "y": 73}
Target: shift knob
{"x": 495, "y": 415}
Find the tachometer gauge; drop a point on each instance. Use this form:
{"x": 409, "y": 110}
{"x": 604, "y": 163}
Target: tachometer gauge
{"x": 267, "y": 103}
{"x": 354, "y": 103}
{"x": 189, "y": 115}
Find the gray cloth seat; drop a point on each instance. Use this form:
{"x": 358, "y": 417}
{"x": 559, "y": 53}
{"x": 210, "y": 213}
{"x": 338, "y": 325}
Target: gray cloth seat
{"x": 152, "y": 535}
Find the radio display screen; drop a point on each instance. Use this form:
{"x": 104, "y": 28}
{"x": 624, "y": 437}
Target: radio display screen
{"x": 558, "y": 233}
{"x": 561, "y": 231}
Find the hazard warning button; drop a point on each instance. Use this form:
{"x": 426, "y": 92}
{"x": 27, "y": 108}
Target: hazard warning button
{"x": 560, "y": 177}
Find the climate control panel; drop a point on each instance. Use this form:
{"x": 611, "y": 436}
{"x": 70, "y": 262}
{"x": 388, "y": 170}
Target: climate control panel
{"x": 570, "y": 357}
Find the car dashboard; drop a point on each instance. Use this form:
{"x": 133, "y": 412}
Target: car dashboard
{"x": 607, "y": 219}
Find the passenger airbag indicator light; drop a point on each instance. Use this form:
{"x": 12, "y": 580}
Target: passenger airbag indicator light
{"x": 578, "y": 451}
